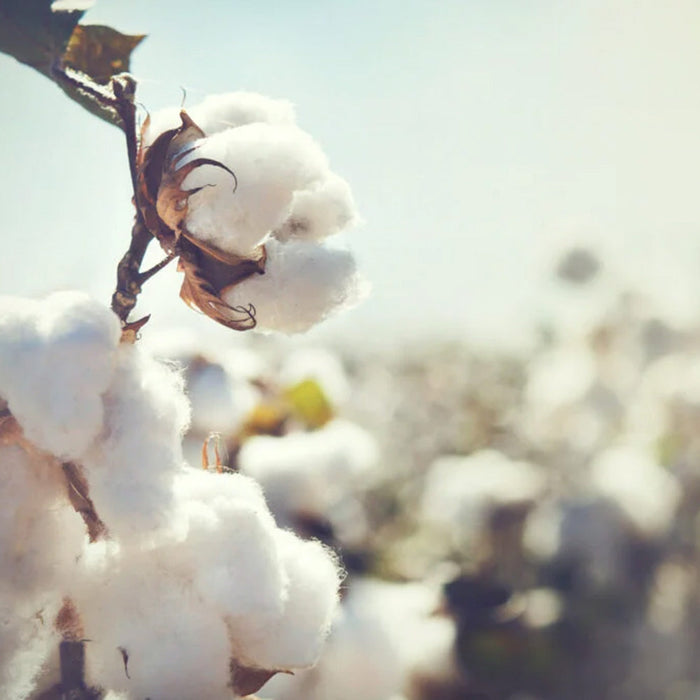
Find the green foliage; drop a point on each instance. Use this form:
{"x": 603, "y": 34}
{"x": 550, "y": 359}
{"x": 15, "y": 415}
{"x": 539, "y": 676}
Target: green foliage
{"x": 79, "y": 58}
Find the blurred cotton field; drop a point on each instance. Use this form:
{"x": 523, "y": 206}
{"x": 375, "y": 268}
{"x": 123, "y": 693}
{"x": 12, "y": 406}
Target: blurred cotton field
{"x": 512, "y": 525}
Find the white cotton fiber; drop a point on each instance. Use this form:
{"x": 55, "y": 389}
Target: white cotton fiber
{"x": 177, "y": 647}
{"x": 303, "y": 283}
{"x": 270, "y": 162}
{"x": 131, "y": 470}
{"x": 223, "y": 111}
{"x": 56, "y": 359}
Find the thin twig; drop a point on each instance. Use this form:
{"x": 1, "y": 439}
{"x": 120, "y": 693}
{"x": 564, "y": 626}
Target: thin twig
{"x": 147, "y": 274}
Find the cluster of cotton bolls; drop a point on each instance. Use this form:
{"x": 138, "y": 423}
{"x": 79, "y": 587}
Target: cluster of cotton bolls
{"x": 179, "y": 578}
{"x": 251, "y": 184}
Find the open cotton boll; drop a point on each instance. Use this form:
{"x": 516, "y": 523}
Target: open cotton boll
{"x": 271, "y": 162}
{"x": 323, "y": 209}
{"x": 303, "y": 284}
{"x": 320, "y": 365}
{"x": 56, "y": 359}
{"x": 131, "y": 469}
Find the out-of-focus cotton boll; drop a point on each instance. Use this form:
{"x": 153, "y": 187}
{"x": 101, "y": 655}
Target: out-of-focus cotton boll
{"x": 270, "y": 162}
{"x": 130, "y": 471}
{"x": 460, "y": 490}
{"x": 219, "y": 400}
{"x": 313, "y": 473}
{"x": 303, "y": 283}
{"x": 224, "y": 111}
{"x": 647, "y": 493}
{"x": 177, "y": 646}
{"x": 57, "y": 357}
{"x": 560, "y": 377}
{"x": 322, "y": 366}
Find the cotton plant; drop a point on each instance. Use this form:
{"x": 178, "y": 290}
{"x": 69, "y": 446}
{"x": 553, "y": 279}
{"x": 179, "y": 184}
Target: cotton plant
{"x": 129, "y": 573}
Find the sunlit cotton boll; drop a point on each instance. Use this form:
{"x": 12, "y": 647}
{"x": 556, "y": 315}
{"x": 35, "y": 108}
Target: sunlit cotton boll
{"x": 57, "y": 357}
{"x": 302, "y": 285}
{"x": 278, "y": 169}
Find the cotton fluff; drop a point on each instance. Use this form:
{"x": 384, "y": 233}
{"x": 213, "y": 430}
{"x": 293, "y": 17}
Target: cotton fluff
{"x": 303, "y": 283}
{"x": 131, "y": 469}
{"x": 41, "y": 537}
{"x": 313, "y": 473}
{"x": 281, "y": 173}
{"x": 57, "y": 357}
{"x": 224, "y": 111}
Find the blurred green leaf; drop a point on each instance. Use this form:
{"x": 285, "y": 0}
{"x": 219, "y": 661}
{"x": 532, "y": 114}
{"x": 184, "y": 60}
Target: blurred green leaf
{"x": 53, "y": 42}
{"x": 309, "y": 403}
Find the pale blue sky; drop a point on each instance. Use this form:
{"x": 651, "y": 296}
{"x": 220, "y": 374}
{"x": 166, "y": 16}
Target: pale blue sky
{"x": 472, "y": 133}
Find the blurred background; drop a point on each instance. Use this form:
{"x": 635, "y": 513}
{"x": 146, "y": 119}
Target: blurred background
{"x": 501, "y": 443}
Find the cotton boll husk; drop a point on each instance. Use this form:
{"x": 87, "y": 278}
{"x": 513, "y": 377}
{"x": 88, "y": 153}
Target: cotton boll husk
{"x": 303, "y": 283}
{"x": 131, "y": 470}
{"x": 177, "y": 646}
{"x": 310, "y": 472}
{"x": 647, "y": 493}
{"x": 56, "y": 359}
{"x": 294, "y": 638}
{"x": 271, "y": 162}
{"x": 323, "y": 209}
{"x": 223, "y": 111}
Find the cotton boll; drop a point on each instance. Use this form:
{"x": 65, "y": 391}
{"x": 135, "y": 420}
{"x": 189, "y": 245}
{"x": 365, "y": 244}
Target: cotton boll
{"x": 323, "y": 209}
{"x": 131, "y": 470}
{"x": 303, "y": 283}
{"x": 270, "y": 162}
{"x": 56, "y": 359}
{"x": 294, "y": 638}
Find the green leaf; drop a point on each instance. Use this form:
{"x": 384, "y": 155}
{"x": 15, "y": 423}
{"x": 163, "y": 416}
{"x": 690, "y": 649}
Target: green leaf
{"x": 99, "y": 51}
{"x": 34, "y": 34}
{"x": 81, "y": 59}
{"x": 309, "y": 403}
